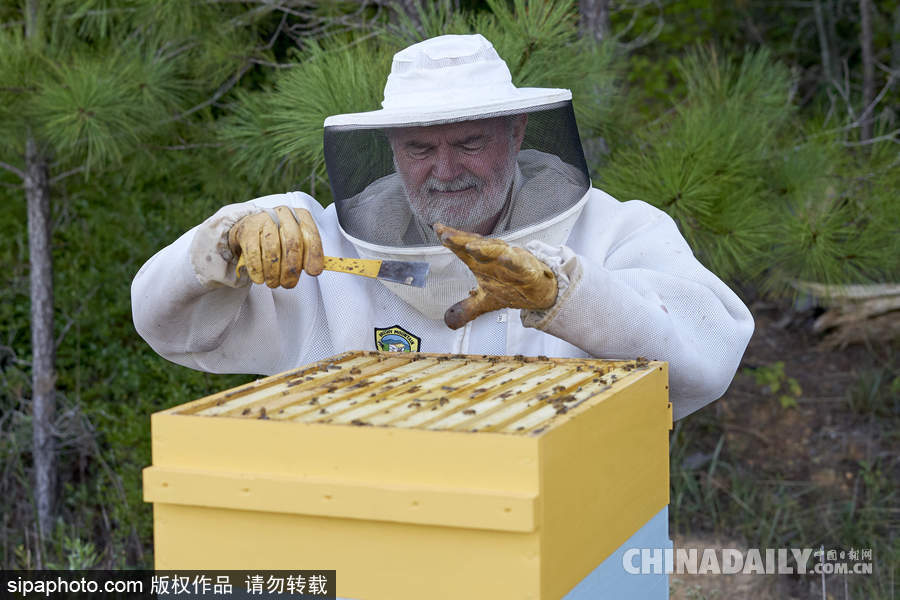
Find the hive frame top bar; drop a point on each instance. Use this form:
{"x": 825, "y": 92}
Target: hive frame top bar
{"x": 519, "y": 395}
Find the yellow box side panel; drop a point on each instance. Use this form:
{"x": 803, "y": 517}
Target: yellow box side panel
{"x": 588, "y": 509}
{"x": 359, "y": 454}
{"x": 373, "y": 560}
{"x": 478, "y": 509}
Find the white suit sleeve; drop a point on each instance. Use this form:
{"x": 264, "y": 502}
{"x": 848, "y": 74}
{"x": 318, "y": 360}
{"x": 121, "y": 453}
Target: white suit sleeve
{"x": 187, "y": 304}
{"x": 639, "y": 291}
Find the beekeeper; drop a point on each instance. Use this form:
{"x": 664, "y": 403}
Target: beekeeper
{"x": 488, "y": 184}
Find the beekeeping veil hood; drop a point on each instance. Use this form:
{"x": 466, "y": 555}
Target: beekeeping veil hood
{"x": 455, "y": 142}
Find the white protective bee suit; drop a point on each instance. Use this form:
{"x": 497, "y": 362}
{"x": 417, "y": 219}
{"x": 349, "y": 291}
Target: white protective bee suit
{"x": 629, "y": 285}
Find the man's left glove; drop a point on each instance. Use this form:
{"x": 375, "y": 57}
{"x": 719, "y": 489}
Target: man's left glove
{"x": 508, "y": 276}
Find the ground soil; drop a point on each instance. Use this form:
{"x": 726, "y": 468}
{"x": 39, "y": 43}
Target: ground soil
{"x": 822, "y": 440}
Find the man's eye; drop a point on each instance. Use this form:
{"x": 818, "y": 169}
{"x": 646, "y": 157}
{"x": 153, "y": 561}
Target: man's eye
{"x": 473, "y": 146}
{"x": 419, "y": 153}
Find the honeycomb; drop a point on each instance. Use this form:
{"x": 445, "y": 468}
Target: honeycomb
{"x": 504, "y": 394}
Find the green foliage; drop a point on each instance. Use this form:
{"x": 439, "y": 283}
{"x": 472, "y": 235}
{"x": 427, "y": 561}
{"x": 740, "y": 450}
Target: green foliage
{"x": 109, "y": 380}
{"x": 101, "y": 80}
{"x": 15, "y": 65}
{"x": 98, "y": 85}
{"x": 758, "y": 199}
{"x": 90, "y": 19}
{"x": 95, "y": 106}
{"x": 837, "y": 220}
{"x": 435, "y": 18}
{"x": 772, "y": 379}
{"x": 540, "y": 43}
{"x": 876, "y": 394}
{"x": 707, "y": 163}
{"x": 78, "y": 554}
{"x": 661, "y": 33}
{"x": 275, "y": 136}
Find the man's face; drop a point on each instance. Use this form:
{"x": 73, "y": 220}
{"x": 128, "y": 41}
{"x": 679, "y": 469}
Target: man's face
{"x": 459, "y": 174}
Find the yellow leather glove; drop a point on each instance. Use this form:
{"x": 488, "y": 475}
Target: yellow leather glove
{"x": 508, "y": 276}
{"x": 276, "y": 253}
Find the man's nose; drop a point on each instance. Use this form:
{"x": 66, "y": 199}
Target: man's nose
{"x": 447, "y": 166}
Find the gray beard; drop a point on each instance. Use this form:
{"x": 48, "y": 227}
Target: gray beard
{"x": 489, "y": 207}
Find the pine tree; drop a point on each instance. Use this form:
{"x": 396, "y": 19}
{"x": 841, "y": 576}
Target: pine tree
{"x": 762, "y": 197}
{"x": 88, "y": 87}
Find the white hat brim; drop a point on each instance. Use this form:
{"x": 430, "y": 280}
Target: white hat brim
{"x": 521, "y": 100}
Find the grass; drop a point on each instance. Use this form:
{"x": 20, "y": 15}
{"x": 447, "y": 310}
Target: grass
{"x": 733, "y": 477}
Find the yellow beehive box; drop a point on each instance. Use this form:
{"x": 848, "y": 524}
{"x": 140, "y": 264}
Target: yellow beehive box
{"x": 416, "y": 475}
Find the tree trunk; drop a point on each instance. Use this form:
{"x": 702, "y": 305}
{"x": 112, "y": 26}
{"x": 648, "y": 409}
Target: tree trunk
{"x": 43, "y": 346}
{"x": 868, "y": 91}
{"x": 37, "y": 192}
{"x": 593, "y": 18}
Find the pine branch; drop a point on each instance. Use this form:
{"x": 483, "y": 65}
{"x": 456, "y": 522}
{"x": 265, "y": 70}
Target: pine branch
{"x": 72, "y": 318}
{"x": 645, "y": 38}
{"x": 169, "y": 55}
{"x": 246, "y": 18}
{"x": 224, "y": 89}
{"x": 855, "y": 123}
{"x": 266, "y": 63}
{"x": 10, "y": 24}
{"x": 278, "y": 31}
{"x": 870, "y": 108}
{"x": 845, "y": 89}
{"x": 186, "y": 146}
{"x": 888, "y": 137}
{"x": 12, "y": 169}
{"x": 68, "y": 173}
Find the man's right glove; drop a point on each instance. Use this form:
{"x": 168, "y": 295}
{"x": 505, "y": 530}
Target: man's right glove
{"x": 275, "y": 253}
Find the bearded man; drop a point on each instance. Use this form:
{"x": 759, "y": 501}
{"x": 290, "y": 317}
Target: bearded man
{"x": 488, "y": 184}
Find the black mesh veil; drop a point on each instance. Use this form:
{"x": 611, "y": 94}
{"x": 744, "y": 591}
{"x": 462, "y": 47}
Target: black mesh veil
{"x": 391, "y": 183}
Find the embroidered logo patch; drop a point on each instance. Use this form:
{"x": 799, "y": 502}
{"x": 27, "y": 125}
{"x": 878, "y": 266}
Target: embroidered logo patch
{"x": 396, "y": 339}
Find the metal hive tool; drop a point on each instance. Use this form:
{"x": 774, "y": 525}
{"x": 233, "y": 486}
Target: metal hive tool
{"x": 504, "y": 394}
